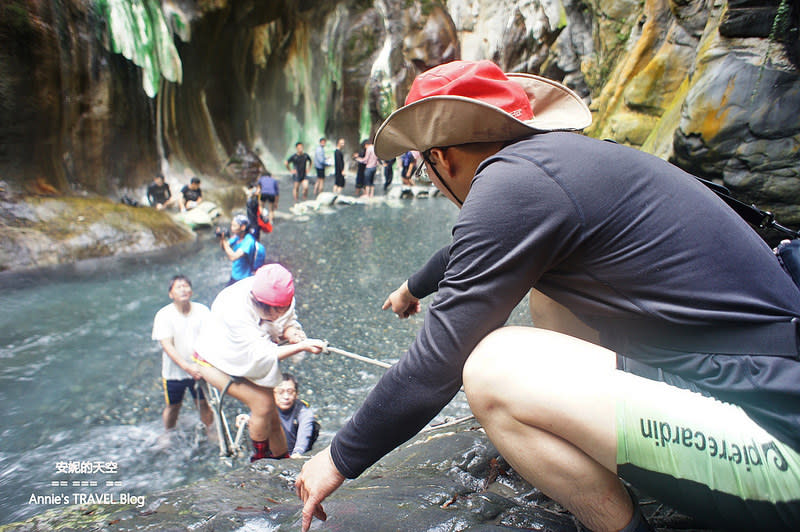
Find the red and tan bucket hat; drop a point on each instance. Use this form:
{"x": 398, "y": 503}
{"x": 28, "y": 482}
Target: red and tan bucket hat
{"x": 475, "y": 101}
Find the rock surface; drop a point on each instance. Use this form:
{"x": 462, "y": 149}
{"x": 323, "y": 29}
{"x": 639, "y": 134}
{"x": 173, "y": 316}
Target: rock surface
{"x": 446, "y": 479}
{"x": 39, "y": 232}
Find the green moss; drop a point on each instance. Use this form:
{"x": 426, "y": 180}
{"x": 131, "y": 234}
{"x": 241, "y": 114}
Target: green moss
{"x": 562, "y": 16}
{"x": 365, "y": 121}
{"x": 137, "y": 30}
{"x": 75, "y": 214}
{"x": 15, "y": 16}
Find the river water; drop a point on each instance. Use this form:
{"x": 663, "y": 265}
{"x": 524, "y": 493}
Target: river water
{"x": 80, "y": 387}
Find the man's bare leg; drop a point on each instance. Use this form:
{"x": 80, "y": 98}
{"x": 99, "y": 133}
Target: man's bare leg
{"x": 264, "y": 421}
{"x": 206, "y": 415}
{"x": 547, "y": 402}
{"x": 170, "y": 415}
{"x": 547, "y": 314}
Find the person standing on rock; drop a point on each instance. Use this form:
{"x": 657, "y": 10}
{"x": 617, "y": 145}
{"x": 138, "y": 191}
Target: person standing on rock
{"x": 298, "y": 164}
{"x": 360, "y": 167}
{"x": 665, "y": 350}
{"x": 370, "y": 162}
{"x": 319, "y": 166}
{"x": 238, "y": 349}
{"x": 338, "y": 167}
{"x": 175, "y": 328}
{"x": 388, "y": 173}
{"x": 270, "y": 194}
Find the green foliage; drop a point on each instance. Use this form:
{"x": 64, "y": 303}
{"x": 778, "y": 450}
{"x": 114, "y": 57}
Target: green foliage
{"x": 782, "y": 22}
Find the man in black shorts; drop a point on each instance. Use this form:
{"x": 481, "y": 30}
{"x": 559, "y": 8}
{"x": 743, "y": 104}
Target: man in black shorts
{"x": 338, "y": 167}
{"x": 176, "y": 327}
{"x": 300, "y": 163}
{"x": 669, "y": 352}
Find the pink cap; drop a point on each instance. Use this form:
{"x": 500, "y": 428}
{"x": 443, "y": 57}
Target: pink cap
{"x": 273, "y": 285}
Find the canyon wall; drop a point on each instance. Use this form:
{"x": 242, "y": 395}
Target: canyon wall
{"x": 98, "y": 95}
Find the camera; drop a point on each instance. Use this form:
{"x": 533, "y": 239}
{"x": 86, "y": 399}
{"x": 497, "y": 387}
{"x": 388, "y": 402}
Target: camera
{"x": 222, "y": 232}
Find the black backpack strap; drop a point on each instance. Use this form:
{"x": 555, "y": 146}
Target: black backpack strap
{"x": 750, "y": 213}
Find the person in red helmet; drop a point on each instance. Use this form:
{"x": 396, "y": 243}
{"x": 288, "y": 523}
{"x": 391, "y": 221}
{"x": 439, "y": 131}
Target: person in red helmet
{"x": 240, "y": 338}
{"x": 673, "y": 363}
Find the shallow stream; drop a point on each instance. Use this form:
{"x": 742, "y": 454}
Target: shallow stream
{"x": 80, "y": 387}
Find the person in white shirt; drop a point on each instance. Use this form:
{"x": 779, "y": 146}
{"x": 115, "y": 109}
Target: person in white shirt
{"x": 176, "y": 327}
{"x": 240, "y": 338}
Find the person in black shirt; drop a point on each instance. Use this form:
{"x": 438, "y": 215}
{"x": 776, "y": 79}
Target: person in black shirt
{"x": 300, "y": 163}
{"x": 338, "y": 167}
{"x": 388, "y": 173}
{"x": 191, "y": 195}
{"x": 158, "y": 193}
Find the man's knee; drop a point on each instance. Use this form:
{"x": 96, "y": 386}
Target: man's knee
{"x": 517, "y": 357}
{"x": 485, "y": 369}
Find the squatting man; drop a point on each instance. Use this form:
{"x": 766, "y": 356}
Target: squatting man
{"x": 652, "y": 300}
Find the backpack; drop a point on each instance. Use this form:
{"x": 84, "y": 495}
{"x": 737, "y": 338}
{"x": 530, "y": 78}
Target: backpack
{"x": 259, "y": 257}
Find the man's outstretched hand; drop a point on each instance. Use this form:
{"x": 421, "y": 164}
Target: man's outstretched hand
{"x": 402, "y": 302}
{"x": 318, "y": 479}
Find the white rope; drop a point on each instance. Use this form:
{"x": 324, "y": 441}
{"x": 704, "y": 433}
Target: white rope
{"x": 386, "y": 365}
{"x": 358, "y": 357}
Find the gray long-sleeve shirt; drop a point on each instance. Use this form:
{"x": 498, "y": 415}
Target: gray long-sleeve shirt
{"x": 298, "y": 425}
{"x": 634, "y": 246}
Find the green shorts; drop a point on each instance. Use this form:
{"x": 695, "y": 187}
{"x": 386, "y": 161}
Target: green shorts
{"x": 707, "y": 459}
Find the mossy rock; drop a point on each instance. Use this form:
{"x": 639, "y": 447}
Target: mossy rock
{"x": 47, "y": 231}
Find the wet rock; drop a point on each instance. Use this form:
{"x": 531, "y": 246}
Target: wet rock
{"x": 407, "y": 490}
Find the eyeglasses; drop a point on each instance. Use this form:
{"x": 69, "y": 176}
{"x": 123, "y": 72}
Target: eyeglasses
{"x": 422, "y": 171}
{"x": 285, "y": 391}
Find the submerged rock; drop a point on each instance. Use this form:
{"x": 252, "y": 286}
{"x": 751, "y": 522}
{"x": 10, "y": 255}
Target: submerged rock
{"x": 449, "y": 478}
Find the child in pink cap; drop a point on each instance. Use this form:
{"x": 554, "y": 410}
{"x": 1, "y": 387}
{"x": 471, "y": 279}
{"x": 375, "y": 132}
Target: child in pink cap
{"x": 241, "y": 338}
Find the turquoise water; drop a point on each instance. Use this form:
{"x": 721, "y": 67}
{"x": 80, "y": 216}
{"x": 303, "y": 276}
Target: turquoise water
{"x": 80, "y": 377}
